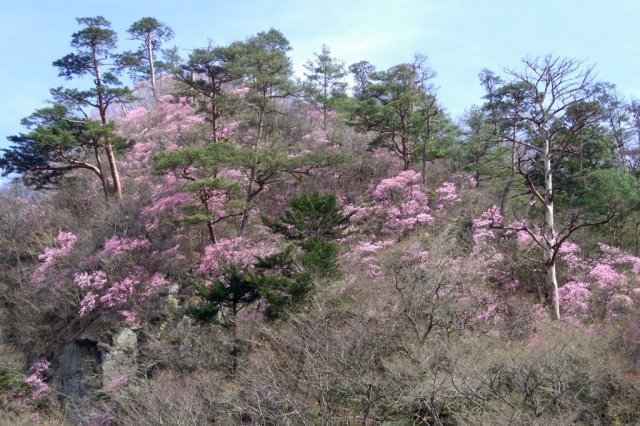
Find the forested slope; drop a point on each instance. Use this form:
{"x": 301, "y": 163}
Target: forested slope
{"x": 226, "y": 244}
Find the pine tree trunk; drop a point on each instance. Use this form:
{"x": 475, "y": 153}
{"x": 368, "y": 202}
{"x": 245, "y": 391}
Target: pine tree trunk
{"x": 212, "y": 235}
{"x": 102, "y": 109}
{"x": 117, "y": 188}
{"x": 152, "y": 73}
{"x": 244, "y": 224}
{"x": 103, "y": 180}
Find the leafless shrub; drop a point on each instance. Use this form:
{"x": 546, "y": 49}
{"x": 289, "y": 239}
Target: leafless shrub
{"x": 171, "y": 399}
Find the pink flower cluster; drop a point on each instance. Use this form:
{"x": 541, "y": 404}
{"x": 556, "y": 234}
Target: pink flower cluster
{"x": 167, "y": 198}
{"x": 116, "y": 245}
{"x": 135, "y": 287}
{"x": 615, "y": 256}
{"x": 483, "y": 227}
{"x": 603, "y": 284}
{"x": 605, "y": 277}
{"x": 66, "y": 243}
{"x": 368, "y": 250}
{"x": 447, "y": 195}
{"x": 130, "y": 318}
{"x": 36, "y": 381}
{"x": 155, "y": 129}
{"x": 372, "y": 247}
{"x": 239, "y": 252}
{"x": 575, "y": 297}
{"x": 402, "y": 202}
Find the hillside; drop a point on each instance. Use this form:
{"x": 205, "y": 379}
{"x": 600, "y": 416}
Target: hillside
{"x": 224, "y": 244}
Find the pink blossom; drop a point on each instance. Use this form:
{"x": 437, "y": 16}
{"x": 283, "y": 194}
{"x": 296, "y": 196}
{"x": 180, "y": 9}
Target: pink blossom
{"x": 575, "y": 298}
{"x": 120, "y": 292}
{"x": 447, "y": 194}
{"x": 511, "y": 285}
{"x": 229, "y": 129}
{"x": 137, "y": 286}
{"x": 484, "y": 225}
{"x": 156, "y": 281}
{"x": 621, "y": 301}
{"x": 569, "y": 253}
{"x": 491, "y": 314}
{"x": 371, "y": 247}
{"x": 237, "y": 251}
{"x": 130, "y": 318}
{"x": 234, "y": 175}
{"x": 116, "y": 245}
{"x": 156, "y": 129}
{"x": 359, "y": 212}
{"x": 387, "y": 188}
{"x": 88, "y": 303}
{"x": 401, "y": 202}
{"x": 66, "y": 243}
{"x": 606, "y": 277}
{"x": 36, "y": 381}
{"x": 91, "y": 281}
{"x": 521, "y": 228}
{"x": 615, "y": 256}
{"x": 167, "y": 203}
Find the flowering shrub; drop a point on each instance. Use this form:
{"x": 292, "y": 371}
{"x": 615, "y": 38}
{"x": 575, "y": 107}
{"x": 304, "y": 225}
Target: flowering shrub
{"x": 157, "y": 128}
{"x": 66, "y": 243}
{"x": 483, "y": 227}
{"x": 401, "y": 202}
{"x": 116, "y": 246}
{"x": 447, "y": 195}
{"x": 167, "y": 200}
{"x": 598, "y": 287}
{"x": 607, "y": 286}
{"x": 36, "y": 381}
{"x": 238, "y": 252}
{"x": 367, "y": 251}
{"x": 134, "y": 288}
{"x": 575, "y": 298}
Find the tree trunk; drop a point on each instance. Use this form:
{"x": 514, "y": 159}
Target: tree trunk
{"x": 505, "y": 193}
{"x": 406, "y": 161}
{"x": 102, "y": 109}
{"x": 244, "y": 224}
{"x": 212, "y": 235}
{"x": 103, "y": 180}
{"x": 424, "y": 170}
{"x": 551, "y": 279}
{"x": 509, "y": 184}
{"x": 117, "y": 188}
{"x": 214, "y": 110}
{"x": 623, "y": 153}
{"x": 152, "y": 74}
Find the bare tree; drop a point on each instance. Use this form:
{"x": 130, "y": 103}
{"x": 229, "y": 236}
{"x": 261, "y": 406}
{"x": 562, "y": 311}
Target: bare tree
{"x": 556, "y": 108}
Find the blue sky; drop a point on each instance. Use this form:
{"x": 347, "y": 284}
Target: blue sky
{"x": 460, "y": 37}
